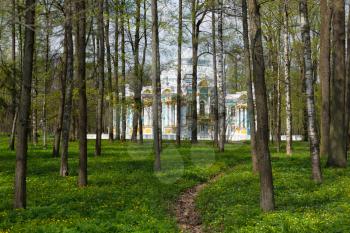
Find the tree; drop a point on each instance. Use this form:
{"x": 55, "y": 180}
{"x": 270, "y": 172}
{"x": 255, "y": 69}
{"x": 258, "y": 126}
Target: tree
{"x": 267, "y": 202}
{"x": 101, "y": 65}
{"x": 178, "y": 88}
{"x": 337, "y": 153}
{"x": 116, "y": 70}
{"x": 14, "y": 78}
{"x": 123, "y": 135}
{"x": 109, "y": 74}
{"x": 221, "y": 82}
{"x": 58, "y": 130}
{"x": 24, "y": 108}
{"x": 155, "y": 85}
{"x": 135, "y": 45}
{"x": 309, "y": 80}
{"x": 81, "y": 72}
{"x": 251, "y": 110}
{"x": 69, "y": 88}
{"x": 325, "y": 52}
{"x": 215, "y": 73}
{"x": 286, "y": 58}
{"x": 198, "y": 10}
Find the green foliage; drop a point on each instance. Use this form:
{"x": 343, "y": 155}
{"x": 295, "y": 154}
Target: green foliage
{"x": 232, "y": 203}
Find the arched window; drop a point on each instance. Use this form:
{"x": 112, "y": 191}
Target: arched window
{"x": 202, "y": 108}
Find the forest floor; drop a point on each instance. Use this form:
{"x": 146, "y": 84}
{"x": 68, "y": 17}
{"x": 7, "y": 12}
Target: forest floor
{"x": 125, "y": 194}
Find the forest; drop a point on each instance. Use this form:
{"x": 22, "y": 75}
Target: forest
{"x": 174, "y": 116}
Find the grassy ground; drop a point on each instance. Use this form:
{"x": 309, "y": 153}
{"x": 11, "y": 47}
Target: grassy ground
{"x": 124, "y": 194}
{"x": 231, "y": 204}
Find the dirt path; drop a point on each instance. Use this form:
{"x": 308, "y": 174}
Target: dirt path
{"x": 187, "y": 216}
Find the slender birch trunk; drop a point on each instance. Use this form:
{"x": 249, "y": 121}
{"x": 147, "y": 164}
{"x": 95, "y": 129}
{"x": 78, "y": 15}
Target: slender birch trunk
{"x": 215, "y": 73}
{"x": 287, "y": 81}
{"x": 309, "y": 81}
{"x": 221, "y": 81}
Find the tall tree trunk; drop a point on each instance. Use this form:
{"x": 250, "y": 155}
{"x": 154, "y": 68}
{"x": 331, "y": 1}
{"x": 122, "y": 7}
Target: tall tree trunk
{"x": 123, "y": 136}
{"x": 267, "y": 202}
{"x": 14, "y": 78}
{"x": 109, "y": 76}
{"x": 215, "y": 73}
{"x": 155, "y": 84}
{"x": 47, "y": 73}
{"x": 179, "y": 76}
{"x": 142, "y": 70}
{"x": 337, "y": 154}
{"x": 24, "y": 108}
{"x": 138, "y": 87}
{"x": 221, "y": 81}
{"x": 81, "y": 71}
{"x": 309, "y": 80}
{"x": 325, "y": 53}
{"x": 67, "y": 115}
{"x": 116, "y": 72}
{"x": 34, "y": 108}
{"x": 347, "y": 92}
{"x": 195, "y": 35}
{"x": 58, "y": 130}
{"x": 287, "y": 81}
{"x": 101, "y": 77}
{"x": 251, "y": 110}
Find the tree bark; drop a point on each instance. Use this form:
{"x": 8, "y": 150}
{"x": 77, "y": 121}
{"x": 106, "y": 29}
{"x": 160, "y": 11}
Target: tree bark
{"x": 58, "y": 130}
{"x": 123, "y": 136}
{"x": 221, "y": 82}
{"x": 116, "y": 71}
{"x": 195, "y": 34}
{"x": 179, "y": 76}
{"x": 14, "y": 78}
{"x": 262, "y": 137}
{"x": 337, "y": 154}
{"x": 287, "y": 81}
{"x": 251, "y": 110}
{"x": 81, "y": 71}
{"x": 67, "y": 115}
{"x": 109, "y": 75}
{"x": 347, "y": 92}
{"x": 138, "y": 86}
{"x": 309, "y": 81}
{"x": 325, "y": 53}
{"x": 101, "y": 65}
{"x": 215, "y": 73}
{"x": 24, "y": 108}
{"x": 155, "y": 85}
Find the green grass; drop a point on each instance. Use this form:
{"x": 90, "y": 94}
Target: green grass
{"x": 232, "y": 203}
{"x": 125, "y": 194}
